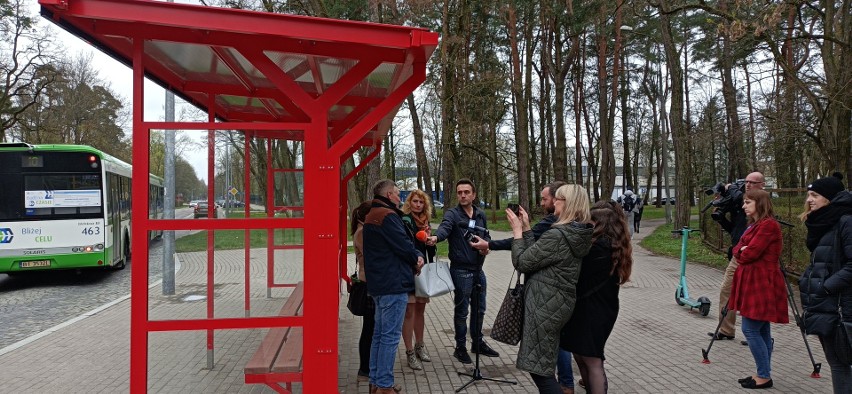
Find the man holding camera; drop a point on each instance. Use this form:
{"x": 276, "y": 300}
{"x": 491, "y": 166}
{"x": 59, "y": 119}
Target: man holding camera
{"x": 460, "y": 226}
{"x": 735, "y": 226}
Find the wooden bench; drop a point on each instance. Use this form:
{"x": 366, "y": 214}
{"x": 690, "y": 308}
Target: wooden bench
{"x": 279, "y": 358}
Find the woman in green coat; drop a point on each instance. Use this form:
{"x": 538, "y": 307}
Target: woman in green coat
{"x": 552, "y": 266}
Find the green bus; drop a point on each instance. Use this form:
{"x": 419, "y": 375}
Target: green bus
{"x": 66, "y": 207}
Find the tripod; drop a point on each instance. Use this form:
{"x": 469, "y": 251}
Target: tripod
{"x": 476, "y": 335}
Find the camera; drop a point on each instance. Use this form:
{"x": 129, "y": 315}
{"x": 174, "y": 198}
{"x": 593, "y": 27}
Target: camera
{"x": 727, "y": 200}
{"x": 469, "y": 236}
{"x": 515, "y": 208}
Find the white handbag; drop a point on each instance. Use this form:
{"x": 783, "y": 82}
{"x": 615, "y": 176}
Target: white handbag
{"x": 434, "y": 280}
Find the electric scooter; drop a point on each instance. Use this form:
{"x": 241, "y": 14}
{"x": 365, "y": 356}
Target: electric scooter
{"x": 682, "y": 292}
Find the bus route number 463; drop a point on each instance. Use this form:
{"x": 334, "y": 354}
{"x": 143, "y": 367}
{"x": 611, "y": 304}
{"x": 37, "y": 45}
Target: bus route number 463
{"x": 91, "y": 231}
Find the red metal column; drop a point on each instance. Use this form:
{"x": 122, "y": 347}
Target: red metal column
{"x": 139, "y": 243}
{"x": 322, "y": 174}
{"x": 247, "y": 214}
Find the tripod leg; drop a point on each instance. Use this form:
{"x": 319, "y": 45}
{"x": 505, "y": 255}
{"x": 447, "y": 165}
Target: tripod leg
{"x": 706, "y": 353}
{"x": 476, "y": 335}
{"x": 791, "y": 299}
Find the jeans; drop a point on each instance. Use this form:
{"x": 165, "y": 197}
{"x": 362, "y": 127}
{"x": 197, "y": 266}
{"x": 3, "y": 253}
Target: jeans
{"x": 563, "y": 369}
{"x": 463, "y": 280}
{"x": 760, "y": 343}
{"x": 390, "y": 311}
{"x": 841, "y": 374}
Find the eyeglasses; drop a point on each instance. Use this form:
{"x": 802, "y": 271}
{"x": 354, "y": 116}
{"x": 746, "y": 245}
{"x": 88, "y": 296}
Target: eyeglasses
{"x": 560, "y": 199}
{"x": 753, "y": 182}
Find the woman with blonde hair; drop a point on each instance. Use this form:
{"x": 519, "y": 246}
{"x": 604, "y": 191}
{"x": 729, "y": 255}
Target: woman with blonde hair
{"x": 607, "y": 266}
{"x": 826, "y": 285}
{"x": 418, "y": 212}
{"x": 551, "y": 265}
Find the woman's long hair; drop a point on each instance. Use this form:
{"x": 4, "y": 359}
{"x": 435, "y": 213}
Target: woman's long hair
{"x": 762, "y": 205}
{"x": 576, "y": 204}
{"x": 610, "y": 223}
{"x": 427, "y": 202}
{"x": 358, "y": 215}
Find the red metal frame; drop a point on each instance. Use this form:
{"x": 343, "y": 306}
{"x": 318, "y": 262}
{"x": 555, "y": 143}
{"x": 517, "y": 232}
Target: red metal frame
{"x": 335, "y": 85}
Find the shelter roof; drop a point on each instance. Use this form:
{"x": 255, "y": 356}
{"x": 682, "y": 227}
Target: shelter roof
{"x": 248, "y": 66}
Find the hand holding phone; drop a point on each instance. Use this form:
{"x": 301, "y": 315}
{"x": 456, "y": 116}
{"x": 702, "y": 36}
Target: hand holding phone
{"x": 516, "y": 209}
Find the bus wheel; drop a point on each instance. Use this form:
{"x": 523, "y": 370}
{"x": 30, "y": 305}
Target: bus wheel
{"x": 125, "y": 257}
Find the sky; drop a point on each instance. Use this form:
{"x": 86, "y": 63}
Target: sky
{"x": 119, "y": 78}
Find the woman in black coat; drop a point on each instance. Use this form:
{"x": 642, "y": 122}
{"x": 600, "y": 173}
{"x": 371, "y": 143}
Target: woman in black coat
{"x": 827, "y": 282}
{"x": 607, "y": 266}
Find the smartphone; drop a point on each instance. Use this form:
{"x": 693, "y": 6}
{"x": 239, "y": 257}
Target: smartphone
{"x": 515, "y": 208}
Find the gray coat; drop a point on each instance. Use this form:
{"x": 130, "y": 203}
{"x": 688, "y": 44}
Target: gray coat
{"x": 551, "y": 265}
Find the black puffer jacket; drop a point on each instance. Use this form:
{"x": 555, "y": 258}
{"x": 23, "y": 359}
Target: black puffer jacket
{"x": 823, "y": 285}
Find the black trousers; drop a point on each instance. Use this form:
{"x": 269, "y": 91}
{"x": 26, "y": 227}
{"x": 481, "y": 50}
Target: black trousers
{"x": 546, "y": 384}
{"x": 365, "y": 342}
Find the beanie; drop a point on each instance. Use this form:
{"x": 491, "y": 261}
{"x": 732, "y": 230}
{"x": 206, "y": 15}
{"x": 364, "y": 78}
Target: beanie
{"x": 829, "y": 186}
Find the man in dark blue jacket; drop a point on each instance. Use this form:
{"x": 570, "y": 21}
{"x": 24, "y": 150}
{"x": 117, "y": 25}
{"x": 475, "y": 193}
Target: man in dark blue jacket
{"x": 390, "y": 261}
{"x": 458, "y": 225}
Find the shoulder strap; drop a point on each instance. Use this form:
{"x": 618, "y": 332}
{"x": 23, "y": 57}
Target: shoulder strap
{"x": 839, "y": 257}
{"x": 593, "y": 290}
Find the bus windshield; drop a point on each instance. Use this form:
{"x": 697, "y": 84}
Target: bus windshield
{"x": 62, "y": 194}
{"x": 58, "y": 185}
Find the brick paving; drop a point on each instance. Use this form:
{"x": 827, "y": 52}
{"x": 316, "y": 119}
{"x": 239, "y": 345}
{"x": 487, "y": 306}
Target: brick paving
{"x": 655, "y": 347}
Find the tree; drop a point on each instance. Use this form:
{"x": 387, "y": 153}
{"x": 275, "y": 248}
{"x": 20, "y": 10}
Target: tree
{"x": 25, "y": 50}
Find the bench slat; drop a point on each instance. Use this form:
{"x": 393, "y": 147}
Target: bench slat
{"x": 290, "y": 358}
{"x": 262, "y": 360}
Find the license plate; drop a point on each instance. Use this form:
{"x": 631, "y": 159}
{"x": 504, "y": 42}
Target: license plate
{"x": 35, "y": 263}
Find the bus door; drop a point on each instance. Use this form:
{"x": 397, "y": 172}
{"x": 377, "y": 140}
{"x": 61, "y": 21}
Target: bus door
{"x": 114, "y": 217}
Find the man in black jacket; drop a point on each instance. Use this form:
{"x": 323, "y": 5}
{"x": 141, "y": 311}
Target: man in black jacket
{"x": 390, "y": 261}
{"x": 458, "y": 227}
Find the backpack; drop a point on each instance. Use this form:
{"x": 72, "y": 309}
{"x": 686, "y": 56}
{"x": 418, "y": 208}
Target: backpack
{"x": 628, "y": 203}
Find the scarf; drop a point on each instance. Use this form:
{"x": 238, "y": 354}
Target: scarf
{"x": 821, "y": 221}
{"x": 421, "y": 220}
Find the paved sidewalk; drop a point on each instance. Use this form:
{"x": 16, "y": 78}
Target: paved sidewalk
{"x": 655, "y": 347}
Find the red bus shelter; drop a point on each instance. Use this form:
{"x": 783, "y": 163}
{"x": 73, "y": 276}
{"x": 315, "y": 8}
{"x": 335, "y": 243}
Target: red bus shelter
{"x": 333, "y": 85}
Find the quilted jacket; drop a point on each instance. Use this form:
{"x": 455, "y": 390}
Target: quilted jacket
{"x": 552, "y": 266}
{"x": 822, "y": 287}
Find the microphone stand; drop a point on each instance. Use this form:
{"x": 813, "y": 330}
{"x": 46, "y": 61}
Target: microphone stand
{"x": 475, "y": 375}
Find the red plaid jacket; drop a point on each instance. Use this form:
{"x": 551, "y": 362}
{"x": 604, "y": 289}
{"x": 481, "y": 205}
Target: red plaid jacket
{"x": 758, "y": 290}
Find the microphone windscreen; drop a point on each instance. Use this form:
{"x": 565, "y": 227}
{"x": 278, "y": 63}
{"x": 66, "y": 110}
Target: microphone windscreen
{"x": 421, "y": 235}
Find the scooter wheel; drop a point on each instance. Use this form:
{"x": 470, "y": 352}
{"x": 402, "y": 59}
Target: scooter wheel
{"x": 678, "y": 295}
{"x": 704, "y": 308}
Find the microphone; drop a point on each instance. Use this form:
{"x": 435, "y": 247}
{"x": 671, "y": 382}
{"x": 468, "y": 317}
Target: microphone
{"x": 421, "y": 236}
{"x": 471, "y": 225}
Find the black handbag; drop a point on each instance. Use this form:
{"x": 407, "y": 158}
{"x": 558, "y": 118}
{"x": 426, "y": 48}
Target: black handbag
{"x": 842, "y": 340}
{"x": 360, "y": 303}
{"x": 509, "y": 324}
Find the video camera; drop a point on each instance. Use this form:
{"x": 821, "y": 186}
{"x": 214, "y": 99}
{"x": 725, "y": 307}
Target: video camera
{"x": 727, "y": 199}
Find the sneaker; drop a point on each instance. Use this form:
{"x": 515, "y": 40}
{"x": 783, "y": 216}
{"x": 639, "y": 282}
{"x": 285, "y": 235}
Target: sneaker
{"x": 461, "y": 355}
{"x": 485, "y": 350}
{"x": 413, "y": 361}
{"x": 420, "y": 350}
{"x": 363, "y": 377}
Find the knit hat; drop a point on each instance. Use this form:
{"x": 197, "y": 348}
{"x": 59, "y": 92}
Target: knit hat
{"x": 829, "y": 186}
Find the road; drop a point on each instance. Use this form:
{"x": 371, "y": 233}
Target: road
{"x": 33, "y": 303}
